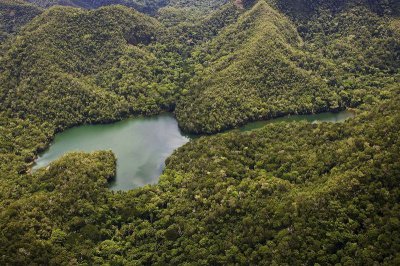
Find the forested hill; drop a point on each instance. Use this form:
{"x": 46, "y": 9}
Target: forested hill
{"x": 286, "y": 194}
{"x": 237, "y": 64}
{"x": 250, "y": 71}
{"x": 265, "y": 65}
{"x": 83, "y": 57}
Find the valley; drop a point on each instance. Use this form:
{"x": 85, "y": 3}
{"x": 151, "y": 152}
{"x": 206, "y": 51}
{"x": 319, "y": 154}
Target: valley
{"x": 141, "y": 145}
{"x": 260, "y": 186}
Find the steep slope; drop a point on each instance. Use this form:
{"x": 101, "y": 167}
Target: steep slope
{"x": 13, "y": 15}
{"x": 250, "y": 71}
{"x": 286, "y": 194}
{"x": 357, "y": 35}
{"x": 361, "y": 46}
{"x": 71, "y": 66}
{"x": 356, "y": 39}
{"x": 190, "y": 27}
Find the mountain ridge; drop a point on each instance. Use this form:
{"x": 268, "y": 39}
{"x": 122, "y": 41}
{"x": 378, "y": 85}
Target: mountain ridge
{"x": 267, "y": 29}
{"x": 293, "y": 193}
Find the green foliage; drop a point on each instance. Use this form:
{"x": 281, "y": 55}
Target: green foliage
{"x": 261, "y": 66}
{"x": 13, "y": 15}
{"x": 250, "y": 71}
{"x": 286, "y": 194}
{"x": 185, "y": 26}
{"x": 357, "y": 40}
{"x": 88, "y": 66}
{"x": 67, "y": 202}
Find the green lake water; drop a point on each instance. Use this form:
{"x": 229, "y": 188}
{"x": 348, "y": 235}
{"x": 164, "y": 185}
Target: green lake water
{"x": 141, "y": 145}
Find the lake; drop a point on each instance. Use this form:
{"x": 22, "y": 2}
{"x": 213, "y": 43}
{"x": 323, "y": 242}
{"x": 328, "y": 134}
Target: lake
{"x": 142, "y": 144}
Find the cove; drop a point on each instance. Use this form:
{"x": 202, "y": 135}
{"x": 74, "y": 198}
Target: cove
{"x": 142, "y": 144}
